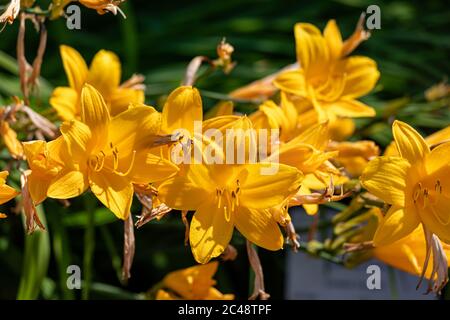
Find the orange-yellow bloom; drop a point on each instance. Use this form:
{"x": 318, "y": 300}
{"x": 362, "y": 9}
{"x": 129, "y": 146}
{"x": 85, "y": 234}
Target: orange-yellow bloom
{"x": 104, "y": 74}
{"x": 417, "y": 186}
{"x": 194, "y": 283}
{"x": 227, "y": 195}
{"x": 328, "y": 80}
{"x": 110, "y": 154}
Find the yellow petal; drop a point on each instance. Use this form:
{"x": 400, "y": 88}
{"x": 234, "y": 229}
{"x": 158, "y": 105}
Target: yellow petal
{"x": 310, "y": 209}
{"x": 114, "y": 191}
{"x": 190, "y": 191}
{"x": 94, "y": 111}
{"x": 341, "y": 129}
{"x": 311, "y": 47}
{"x": 105, "y": 72}
{"x": 223, "y": 108}
{"x": 361, "y": 76}
{"x": 164, "y": 295}
{"x": 210, "y": 232}
{"x": 437, "y": 162}
{"x": 410, "y": 143}
{"x": 333, "y": 38}
{"x": 316, "y": 136}
{"x": 10, "y": 139}
{"x": 38, "y": 187}
{"x": 398, "y": 223}
{"x": 349, "y": 108}
{"x": 7, "y": 193}
{"x": 292, "y": 82}
{"x": 3, "y": 175}
{"x": 121, "y": 98}
{"x": 439, "y": 136}
{"x": 75, "y": 67}
{"x": 192, "y": 283}
{"x": 214, "y": 294}
{"x": 68, "y": 185}
{"x": 259, "y": 227}
{"x": 407, "y": 254}
{"x": 385, "y": 177}
{"x": 65, "y": 101}
{"x": 149, "y": 168}
{"x": 259, "y": 191}
{"x": 78, "y": 139}
{"x": 182, "y": 108}
{"x": 134, "y": 129}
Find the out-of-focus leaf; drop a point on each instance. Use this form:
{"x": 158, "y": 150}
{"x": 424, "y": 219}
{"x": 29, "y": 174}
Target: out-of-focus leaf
{"x": 80, "y": 219}
{"x": 35, "y": 262}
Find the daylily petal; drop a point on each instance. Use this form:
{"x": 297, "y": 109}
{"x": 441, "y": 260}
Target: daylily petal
{"x": 349, "y": 108}
{"x": 385, "y": 177}
{"x": 105, "y": 72}
{"x": 75, "y": 67}
{"x": 78, "y": 139}
{"x": 134, "y": 129}
{"x": 150, "y": 168}
{"x": 38, "y": 187}
{"x": 398, "y": 223}
{"x": 114, "y": 191}
{"x": 182, "y": 108}
{"x": 361, "y": 76}
{"x": 69, "y": 184}
{"x": 410, "y": 143}
{"x": 259, "y": 191}
{"x": 333, "y": 38}
{"x": 188, "y": 192}
{"x": 65, "y": 101}
{"x": 311, "y": 209}
{"x": 259, "y": 227}
{"x": 311, "y": 47}
{"x": 438, "y": 161}
{"x": 94, "y": 112}
{"x": 7, "y": 193}
{"x": 120, "y": 99}
{"x": 292, "y": 82}
{"x": 210, "y": 232}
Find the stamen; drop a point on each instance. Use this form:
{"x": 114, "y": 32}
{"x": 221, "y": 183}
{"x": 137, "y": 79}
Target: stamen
{"x": 133, "y": 158}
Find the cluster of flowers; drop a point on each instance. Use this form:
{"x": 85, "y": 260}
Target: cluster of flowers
{"x": 113, "y": 144}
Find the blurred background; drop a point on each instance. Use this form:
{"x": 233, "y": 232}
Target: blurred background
{"x": 158, "y": 39}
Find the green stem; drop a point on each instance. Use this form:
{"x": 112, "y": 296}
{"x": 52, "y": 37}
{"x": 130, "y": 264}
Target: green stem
{"x": 89, "y": 246}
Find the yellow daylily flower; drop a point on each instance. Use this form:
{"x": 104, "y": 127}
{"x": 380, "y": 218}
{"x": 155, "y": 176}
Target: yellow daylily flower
{"x": 47, "y": 162}
{"x": 228, "y": 196}
{"x": 417, "y": 186}
{"x": 104, "y": 74}
{"x": 194, "y": 283}
{"x": 6, "y": 192}
{"x": 110, "y": 154}
{"x": 328, "y": 80}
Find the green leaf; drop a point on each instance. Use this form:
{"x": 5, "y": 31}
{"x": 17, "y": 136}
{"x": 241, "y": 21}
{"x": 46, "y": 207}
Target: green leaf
{"x": 35, "y": 262}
